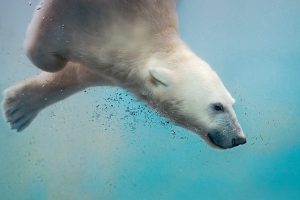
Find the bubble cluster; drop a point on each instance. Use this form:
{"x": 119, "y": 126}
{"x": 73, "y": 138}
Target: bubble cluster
{"x": 134, "y": 115}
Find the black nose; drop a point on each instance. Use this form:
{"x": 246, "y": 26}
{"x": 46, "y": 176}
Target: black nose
{"x": 238, "y": 141}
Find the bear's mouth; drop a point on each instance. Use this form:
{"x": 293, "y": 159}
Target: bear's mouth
{"x": 210, "y": 140}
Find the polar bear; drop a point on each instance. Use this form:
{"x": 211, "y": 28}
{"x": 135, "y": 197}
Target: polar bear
{"x": 125, "y": 43}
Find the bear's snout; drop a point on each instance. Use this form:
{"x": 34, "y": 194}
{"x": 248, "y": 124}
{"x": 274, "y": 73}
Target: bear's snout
{"x": 238, "y": 141}
{"x": 223, "y": 141}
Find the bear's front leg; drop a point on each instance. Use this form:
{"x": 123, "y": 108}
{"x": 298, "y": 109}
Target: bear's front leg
{"x": 23, "y": 101}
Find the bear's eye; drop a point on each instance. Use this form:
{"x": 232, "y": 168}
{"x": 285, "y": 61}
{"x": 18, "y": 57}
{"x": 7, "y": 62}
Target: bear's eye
{"x": 218, "y": 107}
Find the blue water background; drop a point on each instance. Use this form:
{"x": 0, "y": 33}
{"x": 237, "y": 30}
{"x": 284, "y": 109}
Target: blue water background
{"x": 104, "y": 144}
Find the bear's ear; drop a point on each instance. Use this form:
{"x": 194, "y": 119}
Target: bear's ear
{"x": 160, "y": 76}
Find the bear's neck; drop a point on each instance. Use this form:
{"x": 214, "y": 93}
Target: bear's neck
{"x": 172, "y": 53}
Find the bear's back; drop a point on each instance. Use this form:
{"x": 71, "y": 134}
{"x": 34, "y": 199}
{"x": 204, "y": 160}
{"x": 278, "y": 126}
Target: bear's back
{"x": 97, "y": 29}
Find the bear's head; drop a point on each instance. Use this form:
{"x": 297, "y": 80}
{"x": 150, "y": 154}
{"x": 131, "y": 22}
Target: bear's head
{"x": 194, "y": 97}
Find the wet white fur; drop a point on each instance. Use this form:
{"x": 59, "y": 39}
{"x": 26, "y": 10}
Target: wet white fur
{"x": 132, "y": 45}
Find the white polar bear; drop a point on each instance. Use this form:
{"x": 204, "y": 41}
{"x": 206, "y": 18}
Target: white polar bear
{"x": 127, "y": 43}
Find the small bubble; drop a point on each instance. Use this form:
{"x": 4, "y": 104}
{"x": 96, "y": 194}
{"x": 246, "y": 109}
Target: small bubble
{"x": 39, "y": 6}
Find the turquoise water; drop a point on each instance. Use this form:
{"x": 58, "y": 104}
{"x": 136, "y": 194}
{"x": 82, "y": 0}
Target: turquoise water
{"x": 91, "y": 146}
